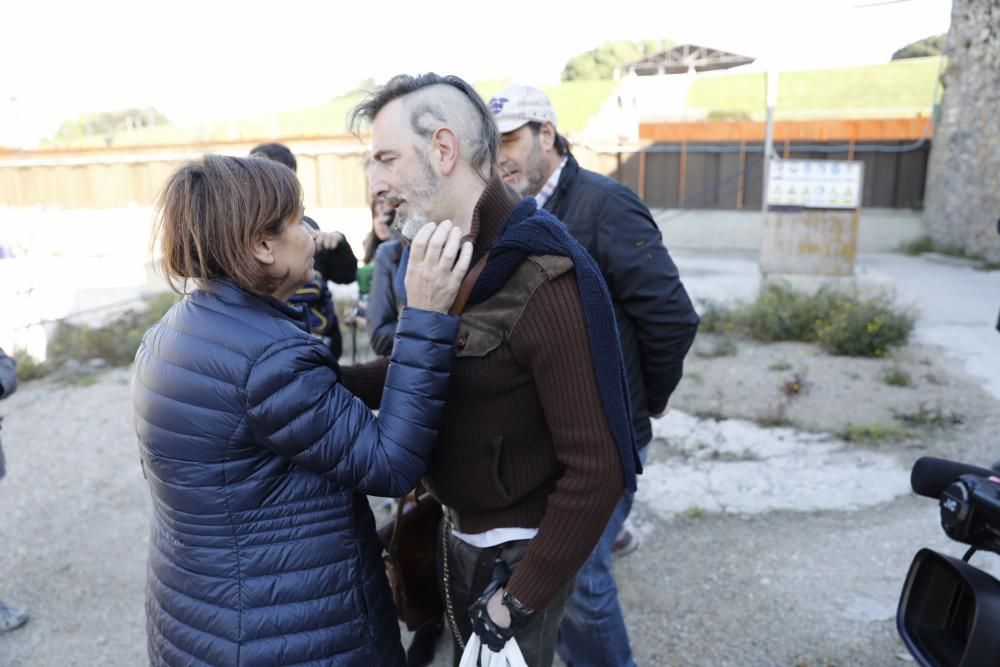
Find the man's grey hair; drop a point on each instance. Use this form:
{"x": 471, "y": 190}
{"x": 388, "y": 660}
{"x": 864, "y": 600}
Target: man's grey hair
{"x": 432, "y": 101}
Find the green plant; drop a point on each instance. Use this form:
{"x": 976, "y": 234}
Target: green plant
{"x": 874, "y": 433}
{"x": 924, "y": 417}
{"x": 781, "y": 312}
{"x": 693, "y": 512}
{"x": 918, "y": 246}
{"x": 716, "y": 318}
{"x": 927, "y": 244}
{"x": 864, "y": 327}
{"x": 776, "y": 419}
{"x": 695, "y": 377}
{"x": 897, "y": 377}
{"x": 115, "y": 342}
{"x": 841, "y": 323}
{"x": 28, "y": 368}
{"x": 723, "y": 346}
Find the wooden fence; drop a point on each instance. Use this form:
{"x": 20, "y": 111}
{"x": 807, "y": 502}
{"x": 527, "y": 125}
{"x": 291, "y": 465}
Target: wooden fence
{"x": 719, "y": 164}
{"x": 331, "y": 173}
{"x": 713, "y": 165}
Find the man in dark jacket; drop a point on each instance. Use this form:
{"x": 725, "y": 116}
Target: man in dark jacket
{"x": 10, "y": 617}
{"x": 656, "y": 321}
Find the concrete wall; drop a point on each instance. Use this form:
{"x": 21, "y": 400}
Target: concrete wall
{"x": 963, "y": 181}
{"x": 879, "y": 229}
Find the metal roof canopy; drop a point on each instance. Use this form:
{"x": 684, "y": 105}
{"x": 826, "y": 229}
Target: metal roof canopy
{"x": 685, "y": 57}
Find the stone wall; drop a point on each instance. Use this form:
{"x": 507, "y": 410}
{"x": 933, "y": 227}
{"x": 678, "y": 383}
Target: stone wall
{"x": 962, "y": 200}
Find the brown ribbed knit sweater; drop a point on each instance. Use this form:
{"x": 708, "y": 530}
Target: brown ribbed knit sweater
{"x": 525, "y": 441}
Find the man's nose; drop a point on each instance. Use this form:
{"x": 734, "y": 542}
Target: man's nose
{"x": 377, "y": 187}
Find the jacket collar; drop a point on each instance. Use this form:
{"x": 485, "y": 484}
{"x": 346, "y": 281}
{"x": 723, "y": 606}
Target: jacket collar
{"x": 229, "y": 292}
{"x": 566, "y": 178}
{"x": 490, "y": 215}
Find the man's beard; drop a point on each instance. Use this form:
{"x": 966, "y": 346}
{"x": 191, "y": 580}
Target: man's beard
{"x": 409, "y": 225}
{"x": 409, "y": 221}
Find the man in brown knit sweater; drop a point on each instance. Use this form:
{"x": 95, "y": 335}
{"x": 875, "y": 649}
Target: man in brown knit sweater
{"x": 534, "y": 450}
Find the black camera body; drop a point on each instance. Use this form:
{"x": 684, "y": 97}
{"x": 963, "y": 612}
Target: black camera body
{"x": 949, "y": 610}
{"x": 970, "y": 512}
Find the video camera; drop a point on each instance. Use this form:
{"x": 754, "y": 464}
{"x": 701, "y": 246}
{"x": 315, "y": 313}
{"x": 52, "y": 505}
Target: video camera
{"x": 949, "y": 611}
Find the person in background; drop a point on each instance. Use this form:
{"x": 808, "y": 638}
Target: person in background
{"x": 535, "y": 447}
{"x": 382, "y": 313}
{"x": 334, "y": 262}
{"x": 259, "y": 449}
{"x": 10, "y": 618}
{"x": 384, "y": 301}
{"x": 381, "y": 232}
{"x": 656, "y": 323}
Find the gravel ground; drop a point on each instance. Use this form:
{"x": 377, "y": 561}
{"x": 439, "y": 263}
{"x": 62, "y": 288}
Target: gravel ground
{"x": 796, "y": 589}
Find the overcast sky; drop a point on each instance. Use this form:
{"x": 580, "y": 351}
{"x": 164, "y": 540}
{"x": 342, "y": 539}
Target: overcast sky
{"x": 208, "y": 59}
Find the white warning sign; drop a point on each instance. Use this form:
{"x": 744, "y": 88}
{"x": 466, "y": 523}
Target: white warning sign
{"x": 815, "y": 183}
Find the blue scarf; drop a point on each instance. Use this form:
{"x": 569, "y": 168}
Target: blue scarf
{"x": 533, "y": 231}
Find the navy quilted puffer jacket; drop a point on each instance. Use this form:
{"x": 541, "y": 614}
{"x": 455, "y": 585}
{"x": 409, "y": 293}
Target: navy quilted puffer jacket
{"x": 263, "y": 549}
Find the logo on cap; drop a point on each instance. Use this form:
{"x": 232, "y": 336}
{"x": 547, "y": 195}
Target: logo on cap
{"x": 497, "y": 103}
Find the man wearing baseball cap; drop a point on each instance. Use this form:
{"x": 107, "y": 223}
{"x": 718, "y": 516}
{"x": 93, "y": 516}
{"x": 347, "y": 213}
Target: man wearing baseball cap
{"x": 656, "y": 322}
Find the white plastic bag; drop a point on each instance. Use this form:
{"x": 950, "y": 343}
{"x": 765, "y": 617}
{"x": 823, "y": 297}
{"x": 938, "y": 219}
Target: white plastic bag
{"x": 510, "y": 656}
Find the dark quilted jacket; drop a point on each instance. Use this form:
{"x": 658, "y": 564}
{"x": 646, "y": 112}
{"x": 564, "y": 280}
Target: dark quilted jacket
{"x": 263, "y": 549}
{"x": 655, "y": 317}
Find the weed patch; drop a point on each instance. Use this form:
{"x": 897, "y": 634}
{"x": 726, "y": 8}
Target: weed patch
{"x": 924, "y": 417}
{"x": 723, "y": 346}
{"x": 895, "y": 376}
{"x": 841, "y": 323}
{"x": 874, "y": 433}
{"x": 114, "y": 342}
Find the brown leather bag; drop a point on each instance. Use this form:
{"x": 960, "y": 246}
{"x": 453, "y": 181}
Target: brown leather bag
{"x": 409, "y": 542}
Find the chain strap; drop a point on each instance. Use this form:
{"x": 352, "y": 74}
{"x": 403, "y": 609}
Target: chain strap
{"x": 449, "y": 608}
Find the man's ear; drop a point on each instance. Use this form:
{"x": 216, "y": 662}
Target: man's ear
{"x": 547, "y": 135}
{"x": 263, "y": 250}
{"x": 444, "y": 148}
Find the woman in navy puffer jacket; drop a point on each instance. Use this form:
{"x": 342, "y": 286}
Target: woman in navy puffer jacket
{"x": 263, "y": 549}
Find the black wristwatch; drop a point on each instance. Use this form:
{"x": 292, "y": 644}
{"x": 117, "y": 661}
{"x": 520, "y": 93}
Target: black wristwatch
{"x": 519, "y": 613}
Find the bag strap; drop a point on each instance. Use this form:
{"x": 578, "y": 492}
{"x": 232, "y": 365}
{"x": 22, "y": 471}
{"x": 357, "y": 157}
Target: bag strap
{"x": 393, "y": 548}
{"x": 465, "y": 289}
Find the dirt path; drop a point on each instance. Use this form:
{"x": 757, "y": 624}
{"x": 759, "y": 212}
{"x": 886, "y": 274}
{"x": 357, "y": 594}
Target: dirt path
{"x": 775, "y": 588}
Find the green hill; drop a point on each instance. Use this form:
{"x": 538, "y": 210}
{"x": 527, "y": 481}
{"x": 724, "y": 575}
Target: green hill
{"x": 575, "y": 103}
{"x": 899, "y": 88}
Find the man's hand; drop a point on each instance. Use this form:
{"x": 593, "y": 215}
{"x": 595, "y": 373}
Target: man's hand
{"x": 662, "y": 412}
{"x": 328, "y": 240}
{"x": 435, "y": 269}
{"x": 496, "y": 616}
{"x": 491, "y": 620}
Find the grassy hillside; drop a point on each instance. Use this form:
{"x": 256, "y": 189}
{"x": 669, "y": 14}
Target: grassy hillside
{"x": 575, "y": 103}
{"x": 903, "y": 87}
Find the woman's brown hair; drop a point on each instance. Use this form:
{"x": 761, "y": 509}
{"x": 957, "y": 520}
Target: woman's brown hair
{"x": 212, "y": 210}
